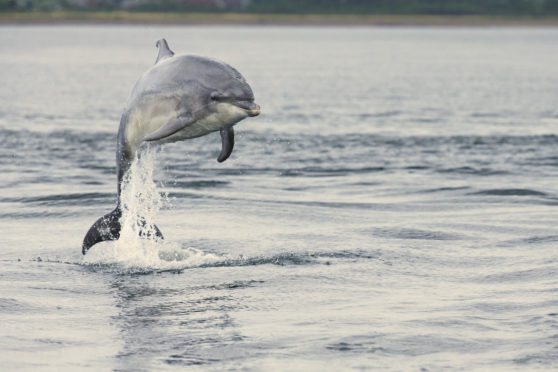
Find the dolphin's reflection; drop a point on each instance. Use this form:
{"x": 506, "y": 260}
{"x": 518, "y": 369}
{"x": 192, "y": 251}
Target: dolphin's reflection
{"x": 161, "y": 320}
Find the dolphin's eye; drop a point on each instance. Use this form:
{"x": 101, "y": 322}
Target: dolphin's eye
{"x": 215, "y": 96}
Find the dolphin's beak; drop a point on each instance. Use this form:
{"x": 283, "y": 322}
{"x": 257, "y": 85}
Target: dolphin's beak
{"x": 253, "y": 109}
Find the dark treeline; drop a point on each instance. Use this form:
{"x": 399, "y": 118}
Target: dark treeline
{"x": 435, "y": 7}
{"x": 432, "y": 7}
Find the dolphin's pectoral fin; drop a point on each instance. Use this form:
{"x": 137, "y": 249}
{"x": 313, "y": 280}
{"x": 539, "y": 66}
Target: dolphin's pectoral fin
{"x": 227, "y": 139}
{"x": 164, "y": 50}
{"x": 105, "y": 228}
{"x": 171, "y": 127}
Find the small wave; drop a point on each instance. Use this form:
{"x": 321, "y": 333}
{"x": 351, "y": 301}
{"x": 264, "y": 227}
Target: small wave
{"x": 99, "y": 167}
{"x": 427, "y": 120}
{"x": 356, "y": 347}
{"x": 543, "y": 358}
{"x": 58, "y": 197}
{"x": 341, "y": 205}
{"x": 324, "y": 172}
{"x": 541, "y": 239}
{"x": 528, "y": 275}
{"x": 510, "y": 192}
{"x": 443, "y": 189}
{"x": 537, "y": 161}
{"x": 415, "y": 234}
{"x": 380, "y": 114}
{"x": 10, "y": 305}
{"x": 68, "y": 135}
{"x": 408, "y": 346}
{"x": 486, "y": 115}
{"x": 188, "y": 361}
{"x": 416, "y": 167}
{"x": 183, "y": 195}
{"x": 43, "y": 116}
{"x": 197, "y": 185}
{"x": 47, "y": 149}
{"x": 52, "y": 341}
{"x": 19, "y": 214}
{"x": 529, "y": 240}
{"x": 473, "y": 171}
{"x": 237, "y": 284}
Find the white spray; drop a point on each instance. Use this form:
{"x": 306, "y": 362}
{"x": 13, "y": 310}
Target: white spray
{"x": 138, "y": 246}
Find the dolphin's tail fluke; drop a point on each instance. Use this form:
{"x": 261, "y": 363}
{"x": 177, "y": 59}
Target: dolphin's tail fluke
{"x": 105, "y": 228}
{"x": 108, "y": 228}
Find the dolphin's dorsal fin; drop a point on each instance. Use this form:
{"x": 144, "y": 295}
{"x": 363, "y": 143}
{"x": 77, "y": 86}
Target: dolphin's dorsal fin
{"x": 164, "y": 50}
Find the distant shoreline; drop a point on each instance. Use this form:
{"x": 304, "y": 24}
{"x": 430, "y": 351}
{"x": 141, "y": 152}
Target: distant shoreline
{"x": 121, "y": 17}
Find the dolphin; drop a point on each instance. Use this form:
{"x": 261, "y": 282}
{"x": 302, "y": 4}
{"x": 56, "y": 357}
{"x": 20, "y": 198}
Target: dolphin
{"x": 178, "y": 98}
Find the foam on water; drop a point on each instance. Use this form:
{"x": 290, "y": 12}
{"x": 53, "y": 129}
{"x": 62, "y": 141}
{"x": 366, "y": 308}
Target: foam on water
{"x": 139, "y": 247}
{"x": 148, "y": 257}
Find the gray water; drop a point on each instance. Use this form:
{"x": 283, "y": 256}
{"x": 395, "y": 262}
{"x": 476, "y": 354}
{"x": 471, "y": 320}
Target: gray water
{"x": 393, "y": 208}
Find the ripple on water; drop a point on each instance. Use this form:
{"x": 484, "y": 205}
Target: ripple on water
{"x": 417, "y": 234}
{"x": 14, "y": 306}
{"x": 510, "y": 192}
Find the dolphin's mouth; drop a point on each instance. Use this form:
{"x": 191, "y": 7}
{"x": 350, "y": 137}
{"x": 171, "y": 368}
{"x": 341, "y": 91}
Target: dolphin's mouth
{"x": 253, "y": 109}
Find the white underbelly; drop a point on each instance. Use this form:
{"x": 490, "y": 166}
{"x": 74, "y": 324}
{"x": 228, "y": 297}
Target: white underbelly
{"x": 211, "y": 123}
{"x": 150, "y": 118}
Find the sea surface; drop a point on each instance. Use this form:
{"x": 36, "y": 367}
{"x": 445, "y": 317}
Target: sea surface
{"x": 393, "y": 208}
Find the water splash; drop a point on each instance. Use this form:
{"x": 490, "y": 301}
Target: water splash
{"x": 141, "y": 202}
{"x": 140, "y": 245}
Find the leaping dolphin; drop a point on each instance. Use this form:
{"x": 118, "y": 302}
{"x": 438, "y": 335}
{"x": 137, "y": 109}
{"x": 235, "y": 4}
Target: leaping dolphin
{"x": 178, "y": 98}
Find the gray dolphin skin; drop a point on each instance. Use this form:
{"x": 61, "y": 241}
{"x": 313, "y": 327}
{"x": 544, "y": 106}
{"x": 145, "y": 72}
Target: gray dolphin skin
{"x": 180, "y": 97}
